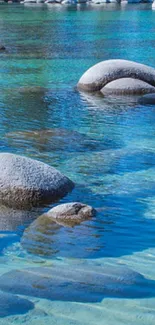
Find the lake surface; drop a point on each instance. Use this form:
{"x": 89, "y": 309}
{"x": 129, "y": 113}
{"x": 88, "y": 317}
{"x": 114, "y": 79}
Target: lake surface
{"x": 105, "y": 145}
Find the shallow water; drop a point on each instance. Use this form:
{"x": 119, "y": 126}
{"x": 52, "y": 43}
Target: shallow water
{"x": 105, "y": 145}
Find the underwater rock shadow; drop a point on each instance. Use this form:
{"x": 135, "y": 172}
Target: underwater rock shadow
{"x": 78, "y": 283}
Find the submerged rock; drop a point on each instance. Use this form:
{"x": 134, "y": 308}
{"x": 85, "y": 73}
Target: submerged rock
{"x": 79, "y": 283}
{"x": 127, "y": 86}
{"x": 39, "y": 237}
{"x": 13, "y": 305}
{"x": 26, "y": 182}
{"x": 70, "y": 213}
{"x": 32, "y": 89}
{"x": 95, "y": 78}
{"x": 45, "y": 134}
{"x": 44, "y": 236}
{"x": 61, "y": 140}
{"x": 148, "y": 99}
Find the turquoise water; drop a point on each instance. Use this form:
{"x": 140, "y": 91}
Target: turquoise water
{"x": 105, "y": 145}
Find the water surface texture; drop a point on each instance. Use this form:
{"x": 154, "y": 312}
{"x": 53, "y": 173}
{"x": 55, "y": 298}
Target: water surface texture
{"x": 105, "y": 145}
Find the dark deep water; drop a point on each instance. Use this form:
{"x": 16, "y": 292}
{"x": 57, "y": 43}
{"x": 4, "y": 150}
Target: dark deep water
{"x": 105, "y": 145}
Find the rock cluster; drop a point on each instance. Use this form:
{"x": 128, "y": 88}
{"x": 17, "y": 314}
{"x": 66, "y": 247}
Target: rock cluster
{"x": 74, "y": 2}
{"x": 118, "y": 77}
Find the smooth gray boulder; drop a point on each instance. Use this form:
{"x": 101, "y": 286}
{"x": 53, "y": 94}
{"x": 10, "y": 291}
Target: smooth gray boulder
{"x": 127, "y": 86}
{"x": 13, "y": 305}
{"x": 95, "y": 78}
{"x": 25, "y": 182}
{"x": 148, "y": 99}
{"x": 77, "y": 282}
{"x": 70, "y": 214}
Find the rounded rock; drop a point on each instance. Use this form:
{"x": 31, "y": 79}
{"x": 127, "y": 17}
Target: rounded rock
{"x": 71, "y": 213}
{"x": 25, "y": 182}
{"x": 95, "y": 78}
{"x": 148, "y": 99}
{"x": 127, "y": 86}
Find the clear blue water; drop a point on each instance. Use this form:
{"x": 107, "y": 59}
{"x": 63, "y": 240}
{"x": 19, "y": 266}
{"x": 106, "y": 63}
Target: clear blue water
{"x": 105, "y": 145}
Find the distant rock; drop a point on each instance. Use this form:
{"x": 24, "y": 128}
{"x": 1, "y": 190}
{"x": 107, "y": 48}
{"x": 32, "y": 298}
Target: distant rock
{"x": 30, "y": 1}
{"x": 70, "y": 213}
{"x": 2, "y": 47}
{"x": 13, "y": 305}
{"x": 26, "y": 182}
{"x": 49, "y": 1}
{"x": 127, "y": 86}
{"x": 52, "y": 1}
{"x": 95, "y": 78}
{"x": 82, "y": 1}
{"x": 148, "y": 99}
{"x": 77, "y": 282}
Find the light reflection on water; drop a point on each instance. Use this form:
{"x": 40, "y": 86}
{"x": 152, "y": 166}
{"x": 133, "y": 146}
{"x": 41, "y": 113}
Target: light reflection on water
{"x": 106, "y": 145}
